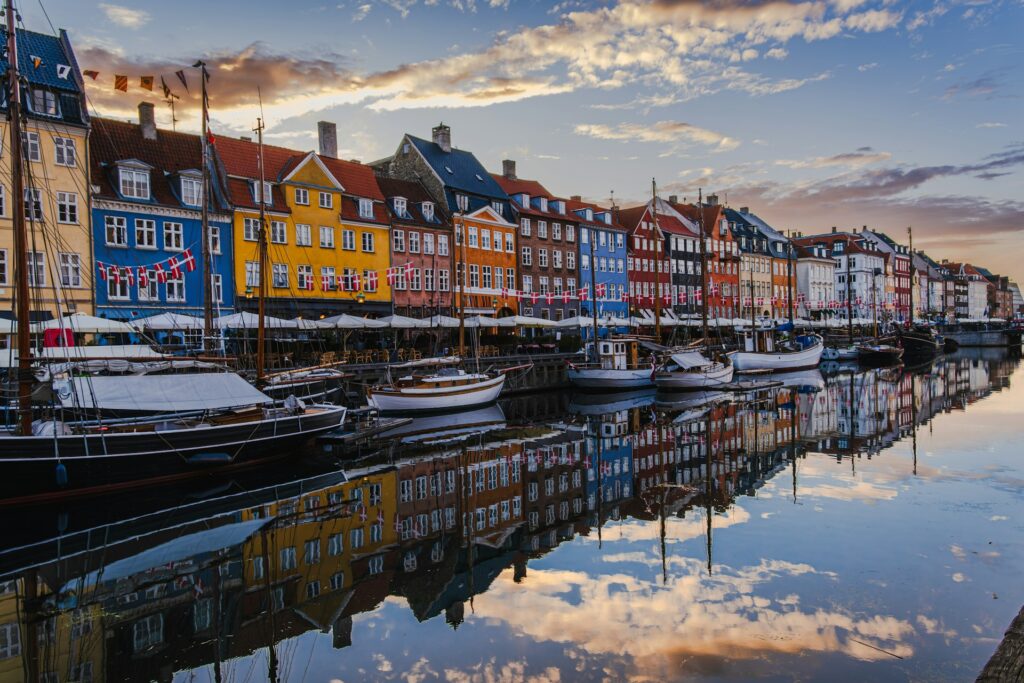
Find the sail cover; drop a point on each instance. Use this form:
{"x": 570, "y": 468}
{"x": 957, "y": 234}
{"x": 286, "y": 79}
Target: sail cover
{"x": 159, "y": 393}
{"x": 688, "y": 360}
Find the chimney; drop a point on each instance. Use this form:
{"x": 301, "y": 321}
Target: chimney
{"x": 147, "y": 121}
{"x": 744, "y": 209}
{"x": 673, "y": 199}
{"x": 508, "y": 168}
{"x": 327, "y": 133}
{"x": 712, "y": 200}
{"x": 833, "y": 229}
{"x": 442, "y": 136}
{"x": 576, "y": 198}
{"x": 245, "y": 138}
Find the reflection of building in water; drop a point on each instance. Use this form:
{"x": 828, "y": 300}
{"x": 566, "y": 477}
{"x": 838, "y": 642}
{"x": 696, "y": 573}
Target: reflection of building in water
{"x": 553, "y": 484}
{"x": 608, "y": 465}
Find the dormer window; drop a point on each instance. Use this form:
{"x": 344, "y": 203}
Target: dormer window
{"x": 266, "y": 196}
{"x": 134, "y": 183}
{"x": 428, "y": 210}
{"x": 191, "y": 191}
{"x": 543, "y": 203}
{"x": 499, "y": 208}
{"x": 462, "y": 201}
{"x": 365, "y": 208}
{"x": 523, "y": 199}
{"x": 400, "y": 206}
{"x": 589, "y": 214}
{"x": 559, "y": 206}
{"x": 44, "y": 102}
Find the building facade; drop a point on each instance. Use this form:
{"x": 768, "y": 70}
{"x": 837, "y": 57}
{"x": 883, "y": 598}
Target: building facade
{"x": 602, "y": 260}
{"x": 815, "y": 277}
{"x": 55, "y": 135}
{"x": 723, "y": 256}
{"x": 147, "y": 222}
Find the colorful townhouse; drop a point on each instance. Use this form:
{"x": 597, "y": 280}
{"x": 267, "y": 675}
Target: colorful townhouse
{"x": 815, "y": 278}
{"x": 548, "y": 276}
{"x": 602, "y": 260}
{"x": 327, "y": 226}
{"x": 755, "y": 278}
{"x": 147, "y": 222}
{"x": 783, "y": 263}
{"x": 664, "y": 258}
{"x": 421, "y": 250}
{"x": 859, "y": 272}
{"x": 898, "y": 272}
{"x": 55, "y": 149}
{"x": 723, "y": 256}
{"x": 480, "y": 211}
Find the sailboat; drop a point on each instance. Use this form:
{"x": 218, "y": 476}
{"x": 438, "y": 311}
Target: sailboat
{"x": 920, "y": 342}
{"x": 68, "y": 449}
{"x": 617, "y": 366}
{"x": 689, "y": 370}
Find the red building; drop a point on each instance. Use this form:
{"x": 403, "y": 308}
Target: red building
{"x": 723, "y": 257}
{"x": 647, "y": 260}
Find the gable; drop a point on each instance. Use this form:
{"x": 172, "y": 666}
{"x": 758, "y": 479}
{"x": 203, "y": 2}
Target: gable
{"x": 486, "y": 213}
{"x": 311, "y": 171}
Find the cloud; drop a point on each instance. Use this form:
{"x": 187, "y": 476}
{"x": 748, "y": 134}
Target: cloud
{"x": 777, "y": 53}
{"x": 661, "y": 131}
{"x": 985, "y": 85}
{"x": 867, "y": 67}
{"x": 362, "y": 11}
{"x": 991, "y": 124}
{"x": 927, "y": 17}
{"x": 862, "y": 157}
{"x": 125, "y": 16}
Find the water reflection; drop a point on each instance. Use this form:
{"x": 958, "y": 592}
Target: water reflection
{"x": 592, "y": 522}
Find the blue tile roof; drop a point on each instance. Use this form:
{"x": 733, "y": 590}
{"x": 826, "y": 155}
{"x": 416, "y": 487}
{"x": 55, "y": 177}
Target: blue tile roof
{"x": 51, "y": 50}
{"x": 459, "y": 170}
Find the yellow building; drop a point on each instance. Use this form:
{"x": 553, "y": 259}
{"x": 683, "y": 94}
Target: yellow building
{"x": 56, "y": 179}
{"x": 328, "y": 232}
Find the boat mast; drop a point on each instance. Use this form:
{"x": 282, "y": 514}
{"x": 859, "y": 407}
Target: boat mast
{"x": 849, "y": 300}
{"x": 703, "y": 270}
{"x": 789, "y": 282}
{"x": 874, "y": 307}
{"x": 205, "y": 217}
{"x": 593, "y": 291}
{"x": 910, "y": 237}
{"x": 657, "y": 262}
{"x": 261, "y": 331}
{"x": 20, "y": 235}
{"x": 461, "y": 271}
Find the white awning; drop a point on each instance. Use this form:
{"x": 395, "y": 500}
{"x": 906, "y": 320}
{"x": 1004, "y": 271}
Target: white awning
{"x": 690, "y": 359}
{"x": 401, "y": 322}
{"x": 169, "y": 321}
{"x": 443, "y": 321}
{"x": 159, "y": 393}
{"x": 525, "y": 321}
{"x": 250, "y": 321}
{"x": 351, "y": 322}
{"x": 83, "y": 323}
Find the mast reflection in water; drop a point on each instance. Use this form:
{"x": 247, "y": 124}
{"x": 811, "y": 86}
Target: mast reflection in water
{"x": 830, "y": 528}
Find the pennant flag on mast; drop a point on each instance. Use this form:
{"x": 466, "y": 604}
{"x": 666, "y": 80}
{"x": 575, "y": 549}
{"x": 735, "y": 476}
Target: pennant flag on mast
{"x": 167, "y": 91}
{"x": 181, "y": 77}
{"x": 146, "y": 82}
{"x": 120, "y": 83}
{"x": 91, "y": 74}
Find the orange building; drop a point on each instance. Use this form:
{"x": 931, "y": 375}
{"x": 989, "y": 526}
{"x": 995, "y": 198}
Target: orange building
{"x": 485, "y": 263}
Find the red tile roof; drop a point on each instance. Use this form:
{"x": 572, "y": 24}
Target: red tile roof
{"x": 519, "y": 185}
{"x": 241, "y": 158}
{"x": 357, "y": 179}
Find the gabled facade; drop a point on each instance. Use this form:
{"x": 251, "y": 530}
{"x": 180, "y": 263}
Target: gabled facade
{"x": 816, "y": 280}
{"x": 421, "y": 249}
{"x": 147, "y": 222}
{"x": 782, "y": 265}
{"x": 547, "y": 247}
{"x": 859, "y": 274}
{"x": 602, "y": 259}
{"x": 55, "y": 135}
{"x": 755, "y": 278}
{"x": 485, "y": 263}
{"x": 328, "y": 232}
{"x": 647, "y": 260}
{"x": 722, "y": 254}
{"x": 898, "y": 275}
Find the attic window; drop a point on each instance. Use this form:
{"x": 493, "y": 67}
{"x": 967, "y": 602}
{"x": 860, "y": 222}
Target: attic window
{"x": 479, "y": 177}
{"x": 405, "y": 148}
{"x": 449, "y": 169}
{"x": 428, "y": 210}
{"x": 400, "y": 206}
{"x": 44, "y": 102}
{"x": 498, "y": 207}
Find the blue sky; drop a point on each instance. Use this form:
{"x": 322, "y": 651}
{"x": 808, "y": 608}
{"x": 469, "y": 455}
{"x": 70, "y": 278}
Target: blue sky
{"x": 841, "y": 112}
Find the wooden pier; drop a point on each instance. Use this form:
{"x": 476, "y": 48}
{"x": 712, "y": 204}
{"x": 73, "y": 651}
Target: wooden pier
{"x": 1007, "y": 662}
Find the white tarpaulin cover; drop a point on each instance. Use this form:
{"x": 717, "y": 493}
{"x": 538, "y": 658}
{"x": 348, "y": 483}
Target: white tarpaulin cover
{"x": 84, "y": 323}
{"x": 159, "y": 393}
{"x": 250, "y": 321}
{"x": 690, "y": 359}
{"x": 350, "y": 322}
{"x": 403, "y": 322}
{"x": 169, "y": 321}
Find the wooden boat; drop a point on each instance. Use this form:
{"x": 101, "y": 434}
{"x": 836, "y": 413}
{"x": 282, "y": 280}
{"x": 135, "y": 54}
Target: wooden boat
{"x": 320, "y": 385}
{"x": 618, "y": 367}
{"x": 761, "y": 351}
{"x": 840, "y": 353}
{"x": 879, "y": 355}
{"x": 920, "y": 344}
{"x": 447, "y": 389}
{"x": 693, "y": 371}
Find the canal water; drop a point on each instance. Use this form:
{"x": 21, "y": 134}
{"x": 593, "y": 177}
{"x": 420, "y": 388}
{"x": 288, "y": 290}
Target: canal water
{"x": 856, "y": 525}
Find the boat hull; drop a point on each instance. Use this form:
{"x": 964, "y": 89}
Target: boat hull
{"x": 709, "y": 377}
{"x": 103, "y": 462}
{"x": 880, "y": 358}
{"x": 610, "y": 379}
{"x": 416, "y": 400}
{"x": 920, "y": 347}
{"x": 804, "y": 359}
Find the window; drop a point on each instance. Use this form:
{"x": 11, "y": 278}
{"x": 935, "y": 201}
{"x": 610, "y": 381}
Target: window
{"x": 428, "y": 243}
{"x": 398, "y": 240}
{"x": 70, "y": 269}
{"x": 202, "y": 611}
{"x": 328, "y": 278}
{"x": 148, "y": 632}
{"x": 527, "y": 284}
{"x": 36, "y": 269}
{"x": 355, "y": 538}
{"x": 485, "y": 239}
{"x": 278, "y": 232}
{"x": 327, "y": 201}
{"x": 3, "y": 201}
{"x": 367, "y": 242}
{"x": 312, "y": 589}
{"x": 304, "y": 276}
{"x": 44, "y": 102}
{"x": 414, "y": 242}
{"x": 510, "y": 246}
{"x": 303, "y": 235}
{"x": 147, "y": 291}
{"x": 499, "y": 208}
{"x": 302, "y": 196}
{"x": 556, "y": 258}
{"x": 443, "y": 282}
{"x": 543, "y": 284}
{"x": 191, "y": 191}
{"x": 65, "y": 152}
{"x": 326, "y": 237}
{"x": 288, "y": 558}
{"x": 474, "y": 275}
{"x": 524, "y": 227}
{"x": 462, "y": 201}
{"x": 214, "y": 233}
{"x": 134, "y": 183}
{"x": 414, "y": 283}
{"x": 556, "y": 231}
{"x": 570, "y": 260}
{"x": 542, "y": 229}
{"x": 311, "y": 553}
{"x": 558, "y": 285}
{"x": 442, "y": 245}
{"x": 266, "y": 196}
{"x": 487, "y": 277}
{"x": 33, "y": 204}
{"x": 570, "y": 233}
{"x": 428, "y": 210}
{"x": 251, "y": 229}
{"x": 280, "y": 275}
{"x": 368, "y": 285}
{"x": 542, "y": 258}
{"x": 365, "y": 208}
{"x": 30, "y": 145}
{"x": 116, "y": 229}
{"x": 337, "y": 581}
{"x": 527, "y": 256}
{"x": 175, "y": 289}
{"x": 174, "y": 237}
{"x": 474, "y": 240}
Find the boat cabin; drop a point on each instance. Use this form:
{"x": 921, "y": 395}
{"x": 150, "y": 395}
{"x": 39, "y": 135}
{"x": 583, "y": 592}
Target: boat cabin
{"x": 760, "y": 339}
{"x": 617, "y": 353}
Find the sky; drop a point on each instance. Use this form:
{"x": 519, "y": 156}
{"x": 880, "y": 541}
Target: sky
{"x": 813, "y": 114}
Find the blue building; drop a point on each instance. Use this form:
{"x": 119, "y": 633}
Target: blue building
{"x": 610, "y": 467}
{"x": 146, "y": 220}
{"x": 602, "y": 245}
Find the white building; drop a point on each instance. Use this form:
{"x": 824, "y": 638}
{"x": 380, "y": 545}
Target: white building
{"x": 815, "y": 279}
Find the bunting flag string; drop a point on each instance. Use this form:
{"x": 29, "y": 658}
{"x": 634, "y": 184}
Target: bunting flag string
{"x": 174, "y": 265}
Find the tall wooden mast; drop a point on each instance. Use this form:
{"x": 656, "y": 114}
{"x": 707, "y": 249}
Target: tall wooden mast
{"x": 910, "y": 237}
{"x": 460, "y": 245}
{"x": 21, "y": 290}
{"x": 593, "y": 292}
{"x": 657, "y": 262}
{"x": 205, "y": 217}
{"x": 703, "y": 270}
{"x": 261, "y": 331}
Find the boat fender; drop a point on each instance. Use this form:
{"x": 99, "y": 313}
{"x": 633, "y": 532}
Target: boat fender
{"x": 62, "y": 475}
{"x": 294, "y": 404}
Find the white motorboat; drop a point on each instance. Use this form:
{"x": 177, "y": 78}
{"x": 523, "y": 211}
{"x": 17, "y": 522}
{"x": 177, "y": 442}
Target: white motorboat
{"x": 691, "y": 371}
{"x": 761, "y": 352}
{"x": 619, "y": 367}
{"x": 445, "y": 390}
{"x": 840, "y": 353}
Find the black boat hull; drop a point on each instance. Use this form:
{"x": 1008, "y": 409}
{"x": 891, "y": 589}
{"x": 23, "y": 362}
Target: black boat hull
{"x": 38, "y": 467}
{"x": 920, "y": 346}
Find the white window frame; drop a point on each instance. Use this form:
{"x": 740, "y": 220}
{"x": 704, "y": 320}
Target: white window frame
{"x": 174, "y": 236}
{"x": 67, "y": 204}
{"x": 65, "y": 151}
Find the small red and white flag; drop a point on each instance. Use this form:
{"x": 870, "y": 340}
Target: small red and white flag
{"x": 161, "y": 274}
{"x": 600, "y": 290}
{"x": 584, "y": 293}
{"x": 129, "y": 275}
{"x": 103, "y": 270}
{"x": 172, "y": 264}
{"x": 115, "y": 273}
{"x": 390, "y": 274}
{"x": 550, "y": 298}
{"x": 188, "y": 260}
{"x": 565, "y": 297}
{"x": 504, "y": 292}
{"x": 143, "y": 277}
{"x": 534, "y": 296}
{"x": 408, "y": 270}
{"x": 371, "y": 280}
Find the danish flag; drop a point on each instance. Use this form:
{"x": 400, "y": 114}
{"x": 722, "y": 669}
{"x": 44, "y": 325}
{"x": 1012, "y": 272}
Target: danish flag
{"x": 600, "y": 290}
{"x": 408, "y": 270}
{"x": 103, "y": 270}
{"x": 550, "y": 298}
{"x": 188, "y": 260}
{"x": 565, "y": 297}
{"x": 172, "y": 263}
{"x": 143, "y": 276}
{"x": 584, "y": 293}
{"x": 533, "y": 297}
{"x": 161, "y": 274}
{"x": 325, "y": 282}
{"x": 391, "y": 276}
{"x": 667, "y": 298}
{"x": 398, "y": 524}
{"x": 504, "y": 292}
{"x": 371, "y": 280}
{"x": 115, "y": 272}
{"x": 625, "y": 296}
{"x": 129, "y": 275}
